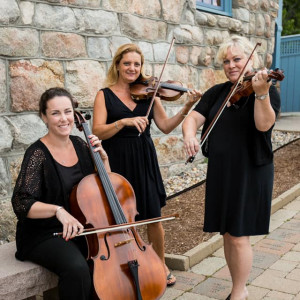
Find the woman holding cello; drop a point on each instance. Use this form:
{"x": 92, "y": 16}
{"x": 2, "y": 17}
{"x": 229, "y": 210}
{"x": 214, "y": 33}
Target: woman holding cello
{"x": 124, "y": 128}
{"x": 240, "y": 159}
{"x": 50, "y": 168}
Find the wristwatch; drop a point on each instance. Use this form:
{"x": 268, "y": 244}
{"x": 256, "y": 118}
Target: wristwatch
{"x": 262, "y": 97}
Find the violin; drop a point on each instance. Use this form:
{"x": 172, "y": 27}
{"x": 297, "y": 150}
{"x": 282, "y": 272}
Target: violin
{"x": 168, "y": 90}
{"x": 245, "y": 88}
{"x": 124, "y": 267}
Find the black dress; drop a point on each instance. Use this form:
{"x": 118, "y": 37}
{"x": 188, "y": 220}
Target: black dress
{"x": 134, "y": 156}
{"x": 240, "y": 166}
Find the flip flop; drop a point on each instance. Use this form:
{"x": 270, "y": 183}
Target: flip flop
{"x": 169, "y": 277}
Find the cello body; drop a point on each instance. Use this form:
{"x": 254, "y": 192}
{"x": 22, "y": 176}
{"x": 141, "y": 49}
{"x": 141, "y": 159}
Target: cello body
{"x": 124, "y": 266}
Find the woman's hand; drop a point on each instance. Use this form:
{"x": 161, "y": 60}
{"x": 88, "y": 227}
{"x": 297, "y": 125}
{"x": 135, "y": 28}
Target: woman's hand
{"x": 260, "y": 82}
{"x": 191, "y": 146}
{"x": 139, "y": 122}
{"x": 97, "y": 143}
{"x": 193, "y": 97}
{"x": 71, "y": 226}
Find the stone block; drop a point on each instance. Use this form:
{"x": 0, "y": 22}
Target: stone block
{"x": 84, "y": 79}
{"x": 18, "y": 41}
{"x": 177, "y": 262}
{"x": 20, "y": 280}
{"x": 147, "y": 30}
{"x": 172, "y": 10}
{"x": 29, "y": 79}
{"x": 99, "y": 48}
{"x": 55, "y": 17}
{"x": 3, "y": 90}
{"x": 63, "y": 45}
{"x": 9, "y": 12}
{"x": 27, "y": 12}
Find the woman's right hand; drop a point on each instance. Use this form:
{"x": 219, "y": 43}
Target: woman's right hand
{"x": 71, "y": 226}
{"x": 191, "y": 145}
{"x": 139, "y": 122}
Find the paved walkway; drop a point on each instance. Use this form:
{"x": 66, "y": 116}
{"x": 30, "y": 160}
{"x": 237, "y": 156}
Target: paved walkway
{"x": 276, "y": 265}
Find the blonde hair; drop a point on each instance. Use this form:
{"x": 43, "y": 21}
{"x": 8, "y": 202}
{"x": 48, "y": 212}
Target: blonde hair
{"x": 240, "y": 42}
{"x": 113, "y": 75}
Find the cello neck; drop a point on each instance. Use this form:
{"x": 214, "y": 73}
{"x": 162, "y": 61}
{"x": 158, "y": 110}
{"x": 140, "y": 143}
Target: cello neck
{"x": 104, "y": 178}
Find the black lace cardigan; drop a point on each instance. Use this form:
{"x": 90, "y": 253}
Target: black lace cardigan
{"x": 39, "y": 180}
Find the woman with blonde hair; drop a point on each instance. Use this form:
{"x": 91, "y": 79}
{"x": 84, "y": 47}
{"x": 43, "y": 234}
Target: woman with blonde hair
{"x": 240, "y": 159}
{"x": 121, "y": 123}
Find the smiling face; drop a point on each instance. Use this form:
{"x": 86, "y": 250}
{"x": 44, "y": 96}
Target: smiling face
{"x": 59, "y": 116}
{"x": 129, "y": 67}
{"x": 234, "y": 62}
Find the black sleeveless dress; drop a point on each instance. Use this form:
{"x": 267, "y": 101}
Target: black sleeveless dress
{"x": 134, "y": 156}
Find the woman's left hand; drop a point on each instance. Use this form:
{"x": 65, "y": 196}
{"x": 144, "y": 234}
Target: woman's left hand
{"x": 97, "y": 143}
{"x": 260, "y": 82}
{"x": 194, "y": 96}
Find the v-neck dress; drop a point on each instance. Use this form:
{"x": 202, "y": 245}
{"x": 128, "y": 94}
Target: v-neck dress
{"x": 134, "y": 156}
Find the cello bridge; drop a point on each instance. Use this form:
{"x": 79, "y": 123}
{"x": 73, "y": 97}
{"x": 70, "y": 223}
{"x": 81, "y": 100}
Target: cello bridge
{"x": 124, "y": 242}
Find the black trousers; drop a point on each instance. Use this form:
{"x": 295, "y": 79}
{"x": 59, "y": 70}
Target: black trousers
{"x": 67, "y": 260}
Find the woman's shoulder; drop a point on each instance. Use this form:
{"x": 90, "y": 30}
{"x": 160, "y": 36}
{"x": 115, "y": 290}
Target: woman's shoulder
{"x": 218, "y": 87}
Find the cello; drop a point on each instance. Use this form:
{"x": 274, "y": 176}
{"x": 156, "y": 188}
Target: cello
{"x": 124, "y": 267}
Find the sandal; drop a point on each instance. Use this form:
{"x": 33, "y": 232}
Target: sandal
{"x": 171, "y": 279}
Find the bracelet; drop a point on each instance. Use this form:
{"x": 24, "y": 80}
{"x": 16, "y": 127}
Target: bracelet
{"x": 58, "y": 208}
{"x": 116, "y": 125}
{"x": 261, "y": 97}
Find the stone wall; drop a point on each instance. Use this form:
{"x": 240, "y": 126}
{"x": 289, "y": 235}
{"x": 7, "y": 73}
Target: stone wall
{"x": 70, "y": 43}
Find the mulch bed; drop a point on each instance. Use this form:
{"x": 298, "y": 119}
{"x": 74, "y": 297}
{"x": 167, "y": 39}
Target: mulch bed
{"x": 186, "y": 232}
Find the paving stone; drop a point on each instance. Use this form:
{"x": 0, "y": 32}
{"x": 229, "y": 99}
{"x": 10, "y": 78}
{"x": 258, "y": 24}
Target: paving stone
{"x": 192, "y": 296}
{"x": 294, "y": 205}
{"x": 284, "y": 265}
{"x": 256, "y": 238}
{"x": 295, "y": 275}
{"x": 187, "y": 280}
{"x": 256, "y": 293}
{"x": 297, "y": 297}
{"x": 171, "y": 294}
{"x": 219, "y": 253}
{"x": 283, "y": 214}
{"x": 209, "y": 266}
{"x": 297, "y": 247}
{"x": 225, "y": 274}
{"x": 292, "y": 256}
{"x": 263, "y": 260}
{"x": 273, "y": 246}
{"x": 274, "y": 224}
{"x": 273, "y": 295}
{"x": 297, "y": 216}
{"x": 285, "y": 235}
{"x": 213, "y": 288}
{"x": 292, "y": 224}
{"x": 274, "y": 280}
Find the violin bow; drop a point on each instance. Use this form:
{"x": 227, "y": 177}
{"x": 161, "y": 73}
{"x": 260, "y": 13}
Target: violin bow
{"x": 159, "y": 80}
{"x": 218, "y": 114}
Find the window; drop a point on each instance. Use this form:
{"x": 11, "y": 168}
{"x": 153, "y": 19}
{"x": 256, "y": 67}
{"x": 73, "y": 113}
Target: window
{"x": 220, "y": 7}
